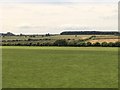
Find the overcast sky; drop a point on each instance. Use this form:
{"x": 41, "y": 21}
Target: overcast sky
{"x": 33, "y": 16}
{"x": 59, "y": 0}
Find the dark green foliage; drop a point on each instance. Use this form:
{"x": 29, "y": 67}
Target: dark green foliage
{"x": 104, "y": 44}
{"x": 61, "y": 42}
{"x": 69, "y": 39}
{"x": 117, "y": 44}
{"x": 38, "y": 44}
{"x": 81, "y": 44}
{"x": 111, "y": 44}
{"x": 89, "y": 33}
{"x": 47, "y": 34}
{"x": 97, "y": 44}
{"x": 71, "y": 43}
{"x": 89, "y": 44}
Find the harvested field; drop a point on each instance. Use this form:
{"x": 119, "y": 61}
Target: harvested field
{"x": 104, "y": 40}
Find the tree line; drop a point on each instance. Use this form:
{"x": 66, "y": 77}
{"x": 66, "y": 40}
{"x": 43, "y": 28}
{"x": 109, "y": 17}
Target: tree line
{"x": 89, "y": 33}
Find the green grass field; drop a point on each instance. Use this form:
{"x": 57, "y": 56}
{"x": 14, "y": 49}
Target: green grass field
{"x": 60, "y": 67}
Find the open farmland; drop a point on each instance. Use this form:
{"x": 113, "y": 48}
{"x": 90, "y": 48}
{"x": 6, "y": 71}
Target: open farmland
{"x": 58, "y": 37}
{"x": 60, "y": 67}
{"x": 52, "y": 37}
{"x": 43, "y": 40}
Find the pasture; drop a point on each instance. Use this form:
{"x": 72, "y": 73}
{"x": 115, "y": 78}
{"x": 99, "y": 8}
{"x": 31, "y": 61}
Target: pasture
{"x": 56, "y": 37}
{"x": 60, "y": 67}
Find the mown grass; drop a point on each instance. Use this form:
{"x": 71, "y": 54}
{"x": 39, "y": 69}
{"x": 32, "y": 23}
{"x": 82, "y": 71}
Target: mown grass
{"x": 60, "y": 67}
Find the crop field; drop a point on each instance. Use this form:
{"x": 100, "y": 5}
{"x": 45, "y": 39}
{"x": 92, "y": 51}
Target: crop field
{"x": 60, "y": 67}
{"x": 107, "y": 38}
{"x": 104, "y": 40}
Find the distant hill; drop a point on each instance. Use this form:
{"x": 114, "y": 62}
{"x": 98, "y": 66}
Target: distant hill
{"x": 89, "y": 33}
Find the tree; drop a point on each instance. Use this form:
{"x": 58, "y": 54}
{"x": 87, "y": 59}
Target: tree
{"x": 47, "y": 34}
{"x": 81, "y": 44}
{"x": 60, "y": 42}
{"x": 21, "y": 34}
{"x": 71, "y": 43}
{"x": 111, "y": 44}
{"x": 89, "y": 44}
{"x": 38, "y": 44}
{"x": 117, "y": 44}
{"x": 104, "y": 44}
{"x": 97, "y": 44}
{"x": 29, "y": 39}
{"x": 30, "y": 44}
